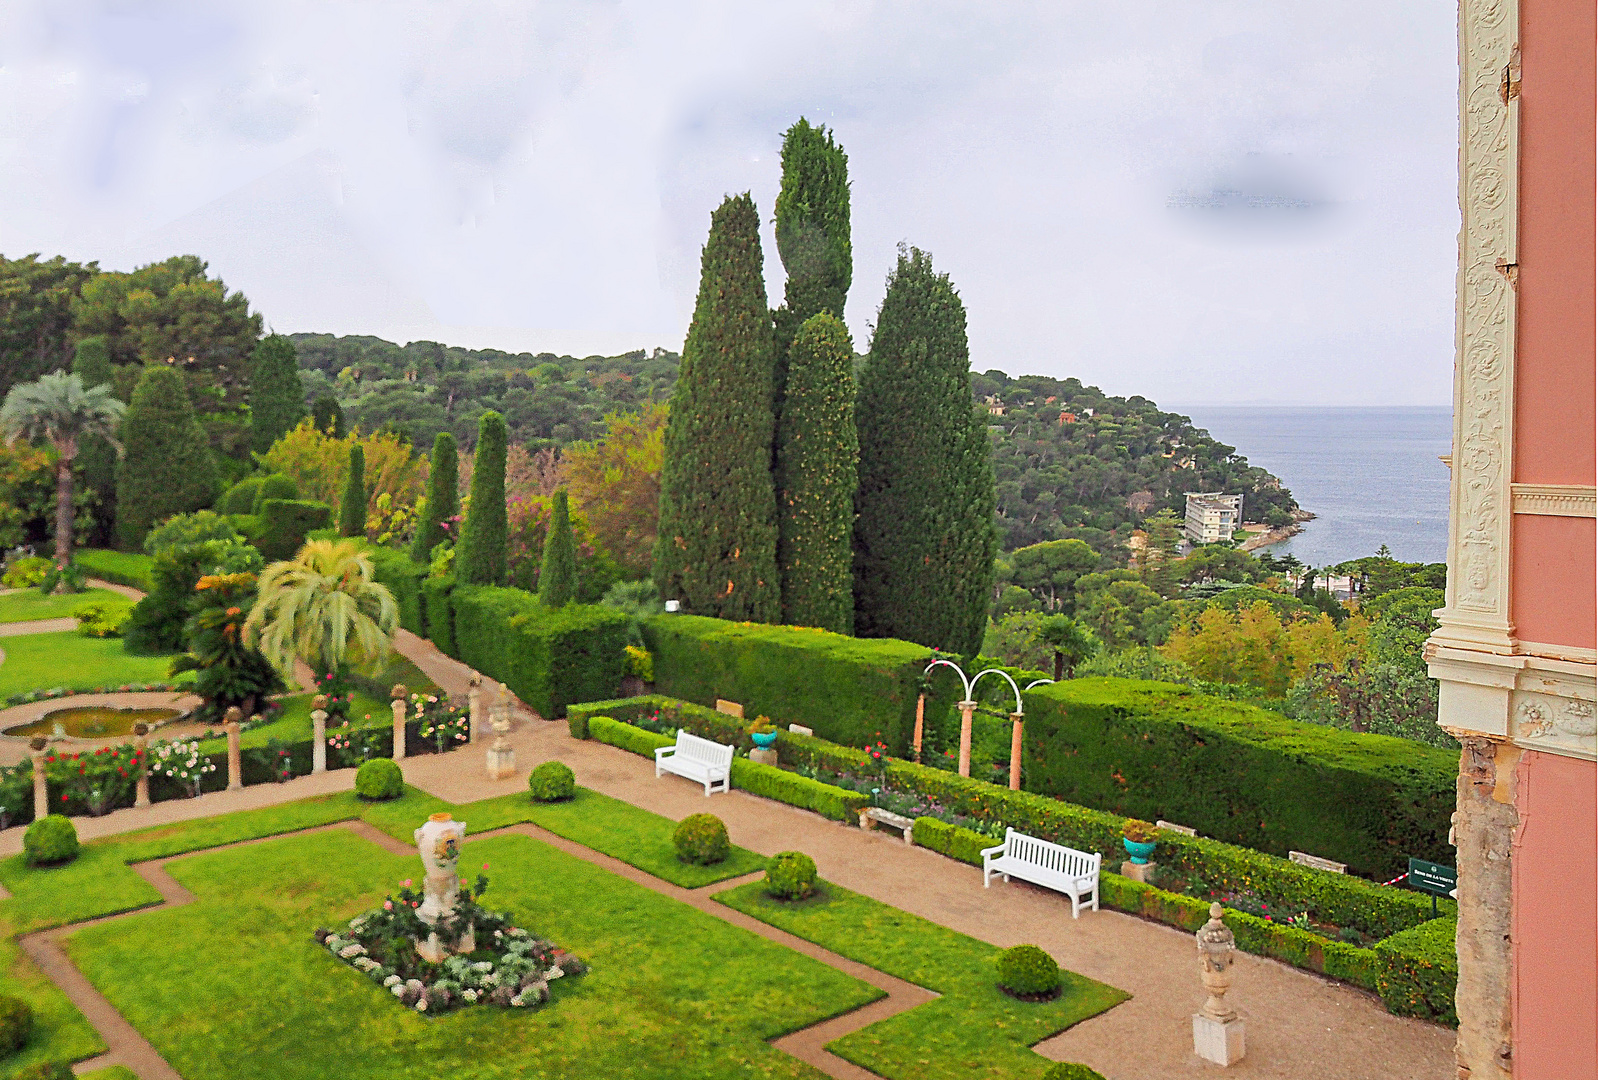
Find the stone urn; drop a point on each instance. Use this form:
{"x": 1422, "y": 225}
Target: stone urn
{"x": 438, "y": 841}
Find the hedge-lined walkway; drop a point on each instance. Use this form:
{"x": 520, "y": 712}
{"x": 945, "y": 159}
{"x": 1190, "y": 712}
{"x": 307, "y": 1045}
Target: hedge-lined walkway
{"x": 1299, "y": 1025}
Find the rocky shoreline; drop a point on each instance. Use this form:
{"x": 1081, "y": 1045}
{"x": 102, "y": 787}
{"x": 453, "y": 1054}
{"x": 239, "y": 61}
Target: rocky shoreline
{"x": 1278, "y": 534}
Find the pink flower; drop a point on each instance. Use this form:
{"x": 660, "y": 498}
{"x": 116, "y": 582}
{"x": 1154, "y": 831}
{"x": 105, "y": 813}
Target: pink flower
{"x": 405, "y": 884}
{"x": 388, "y": 905}
{"x": 485, "y": 866}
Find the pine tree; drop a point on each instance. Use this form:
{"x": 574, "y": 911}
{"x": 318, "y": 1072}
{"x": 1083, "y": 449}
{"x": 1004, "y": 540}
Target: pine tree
{"x": 812, "y": 236}
{"x": 1162, "y": 549}
{"x": 480, "y": 559}
{"x": 97, "y": 458}
{"x": 327, "y": 416}
{"x": 557, "y": 579}
{"x": 924, "y": 533}
{"x": 716, "y": 545}
{"x": 352, "y": 507}
{"x": 167, "y": 467}
{"x": 277, "y": 400}
{"x": 817, "y": 454}
{"x": 442, "y": 502}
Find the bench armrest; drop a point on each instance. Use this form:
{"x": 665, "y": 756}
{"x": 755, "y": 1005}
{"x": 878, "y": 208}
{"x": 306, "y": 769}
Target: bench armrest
{"x": 662, "y": 751}
{"x": 986, "y": 853}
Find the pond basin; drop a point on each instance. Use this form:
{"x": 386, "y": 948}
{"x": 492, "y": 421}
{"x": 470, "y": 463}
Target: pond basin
{"x": 93, "y": 721}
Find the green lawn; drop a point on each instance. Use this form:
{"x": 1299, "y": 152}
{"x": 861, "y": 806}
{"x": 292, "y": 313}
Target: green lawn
{"x": 117, "y": 567}
{"x": 32, "y": 604}
{"x": 973, "y": 1030}
{"x": 45, "y": 661}
{"x": 294, "y": 725}
{"x": 233, "y": 987}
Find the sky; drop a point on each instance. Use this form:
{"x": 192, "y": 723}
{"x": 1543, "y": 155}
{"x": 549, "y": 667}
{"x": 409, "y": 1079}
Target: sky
{"x": 1227, "y": 202}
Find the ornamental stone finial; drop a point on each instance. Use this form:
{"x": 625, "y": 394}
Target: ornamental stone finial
{"x": 398, "y": 692}
{"x": 1217, "y": 1029}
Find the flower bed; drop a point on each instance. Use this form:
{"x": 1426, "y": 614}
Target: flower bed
{"x": 510, "y": 967}
{"x": 54, "y": 692}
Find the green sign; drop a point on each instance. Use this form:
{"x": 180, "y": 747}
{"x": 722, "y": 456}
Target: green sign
{"x": 1433, "y": 877}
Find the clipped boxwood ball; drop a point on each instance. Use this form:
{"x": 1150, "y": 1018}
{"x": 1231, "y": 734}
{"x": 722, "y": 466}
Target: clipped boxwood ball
{"x": 1028, "y": 971}
{"x": 50, "y": 840}
{"x": 790, "y": 875}
{"x": 1070, "y": 1070}
{"x": 45, "y": 1070}
{"x": 379, "y": 778}
{"x": 16, "y": 1024}
{"x": 701, "y": 839}
{"x": 552, "y": 781}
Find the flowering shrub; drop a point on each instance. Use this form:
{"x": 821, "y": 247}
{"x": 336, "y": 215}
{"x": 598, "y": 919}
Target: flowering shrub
{"x": 94, "y": 781}
{"x": 182, "y": 762}
{"x": 445, "y": 725}
{"x": 54, "y": 692}
{"x": 335, "y": 686}
{"x": 381, "y": 945}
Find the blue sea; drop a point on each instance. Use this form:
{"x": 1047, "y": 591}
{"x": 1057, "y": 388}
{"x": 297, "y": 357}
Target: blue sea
{"x": 1370, "y": 475}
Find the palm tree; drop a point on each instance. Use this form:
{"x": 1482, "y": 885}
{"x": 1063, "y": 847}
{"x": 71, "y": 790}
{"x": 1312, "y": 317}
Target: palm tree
{"x": 61, "y": 409}
{"x": 1072, "y": 643}
{"x": 321, "y": 605}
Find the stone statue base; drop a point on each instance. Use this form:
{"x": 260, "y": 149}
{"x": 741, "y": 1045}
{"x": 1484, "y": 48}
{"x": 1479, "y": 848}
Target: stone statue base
{"x": 763, "y": 756}
{"x": 1219, "y": 1041}
{"x": 1138, "y": 871}
{"x": 501, "y": 760}
{"x": 435, "y": 951}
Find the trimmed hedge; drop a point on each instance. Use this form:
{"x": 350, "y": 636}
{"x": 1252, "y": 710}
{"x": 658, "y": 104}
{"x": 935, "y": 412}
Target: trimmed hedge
{"x": 404, "y": 578}
{"x": 50, "y": 841}
{"x": 437, "y": 614}
{"x": 1251, "y": 777}
{"x": 379, "y": 778}
{"x": 695, "y": 719}
{"x": 240, "y": 498}
{"x": 548, "y": 657}
{"x": 1416, "y": 971}
{"x": 626, "y": 737}
{"x": 849, "y": 690}
{"x": 552, "y": 781}
{"x": 284, "y": 523}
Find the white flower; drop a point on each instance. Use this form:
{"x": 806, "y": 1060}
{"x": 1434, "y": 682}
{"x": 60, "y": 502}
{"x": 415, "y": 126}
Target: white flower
{"x": 517, "y": 1001}
{"x": 483, "y": 965}
{"x": 349, "y": 952}
{"x": 554, "y": 973}
{"x": 421, "y": 1006}
{"x": 398, "y": 990}
{"x": 393, "y": 980}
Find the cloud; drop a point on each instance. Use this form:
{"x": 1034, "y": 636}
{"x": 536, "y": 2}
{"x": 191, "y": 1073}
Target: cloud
{"x": 495, "y": 171}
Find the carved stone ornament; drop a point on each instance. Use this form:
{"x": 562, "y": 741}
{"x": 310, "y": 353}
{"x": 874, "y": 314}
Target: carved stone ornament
{"x": 1216, "y": 948}
{"x": 1546, "y": 722}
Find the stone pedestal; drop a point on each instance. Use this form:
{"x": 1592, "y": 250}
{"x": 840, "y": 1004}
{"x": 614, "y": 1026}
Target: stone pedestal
{"x": 41, "y": 789}
{"x": 1220, "y": 1041}
{"x": 141, "y": 786}
{"x": 235, "y": 767}
{"x": 501, "y": 760}
{"x": 1138, "y": 871}
{"x": 763, "y": 755}
{"x": 474, "y": 706}
{"x": 318, "y": 740}
{"x": 398, "y": 694}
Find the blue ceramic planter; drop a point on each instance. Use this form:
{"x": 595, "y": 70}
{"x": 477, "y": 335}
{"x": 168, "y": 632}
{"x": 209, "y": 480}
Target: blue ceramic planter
{"x": 1140, "y": 852}
{"x": 764, "y": 739}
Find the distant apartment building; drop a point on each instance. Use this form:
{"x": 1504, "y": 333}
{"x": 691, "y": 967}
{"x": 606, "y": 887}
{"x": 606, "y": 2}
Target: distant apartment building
{"x": 1212, "y": 516}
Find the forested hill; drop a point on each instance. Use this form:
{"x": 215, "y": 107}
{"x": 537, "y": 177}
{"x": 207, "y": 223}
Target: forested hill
{"x": 1069, "y": 459}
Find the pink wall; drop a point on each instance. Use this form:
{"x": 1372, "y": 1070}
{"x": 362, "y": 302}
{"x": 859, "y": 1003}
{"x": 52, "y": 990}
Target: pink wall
{"x": 1552, "y": 583}
{"x": 1554, "y": 385}
{"x": 1555, "y": 928}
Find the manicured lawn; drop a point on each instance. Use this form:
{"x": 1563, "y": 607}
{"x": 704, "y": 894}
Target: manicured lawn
{"x": 32, "y": 604}
{"x": 63, "y": 659}
{"x": 233, "y": 987}
{"x": 973, "y": 1030}
{"x": 294, "y": 725}
{"x": 117, "y": 567}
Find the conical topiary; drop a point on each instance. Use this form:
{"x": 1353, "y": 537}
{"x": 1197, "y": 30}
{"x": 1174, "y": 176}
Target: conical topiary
{"x": 442, "y": 501}
{"x": 167, "y": 466}
{"x": 557, "y": 579}
{"x": 481, "y": 557}
{"x": 352, "y": 507}
{"x": 277, "y": 400}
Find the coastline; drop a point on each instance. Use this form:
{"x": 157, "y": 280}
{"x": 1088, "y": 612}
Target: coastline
{"x": 1278, "y": 534}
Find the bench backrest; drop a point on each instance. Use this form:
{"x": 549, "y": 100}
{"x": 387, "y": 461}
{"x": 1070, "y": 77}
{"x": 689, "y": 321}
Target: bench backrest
{"x": 703, "y": 750}
{"x": 1047, "y": 855}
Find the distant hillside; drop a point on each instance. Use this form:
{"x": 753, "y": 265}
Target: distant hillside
{"x": 1069, "y": 460}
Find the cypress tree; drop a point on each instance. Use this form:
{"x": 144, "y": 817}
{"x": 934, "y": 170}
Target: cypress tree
{"x": 97, "y": 458}
{"x": 277, "y": 400}
{"x": 812, "y": 235}
{"x": 442, "y": 502}
{"x": 924, "y": 534}
{"x": 716, "y": 548}
{"x": 327, "y": 416}
{"x": 485, "y": 537}
{"x": 167, "y": 467}
{"x": 557, "y": 579}
{"x": 352, "y": 507}
{"x": 817, "y": 452}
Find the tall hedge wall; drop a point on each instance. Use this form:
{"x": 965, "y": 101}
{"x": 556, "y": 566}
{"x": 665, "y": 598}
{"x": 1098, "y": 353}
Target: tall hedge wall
{"x": 1156, "y": 750}
{"x": 404, "y": 577}
{"x": 548, "y": 657}
{"x": 849, "y": 690}
{"x": 284, "y": 523}
{"x": 438, "y": 615}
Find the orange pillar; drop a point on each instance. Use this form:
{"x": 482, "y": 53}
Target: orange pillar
{"x": 1015, "y": 751}
{"x": 966, "y": 709}
{"x": 921, "y": 712}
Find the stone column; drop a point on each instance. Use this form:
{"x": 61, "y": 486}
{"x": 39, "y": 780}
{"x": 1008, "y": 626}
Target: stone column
{"x": 141, "y": 746}
{"x": 474, "y": 706}
{"x": 1015, "y": 751}
{"x": 1485, "y": 827}
{"x": 41, "y": 789}
{"x": 966, "y": 709}
{"x": 398, "y": 694}
{"x": 235, "y": 767}
{"x": 318, "y": 735}
{"x": 1217, "y": 1029}
{"x": 921, "y": 715}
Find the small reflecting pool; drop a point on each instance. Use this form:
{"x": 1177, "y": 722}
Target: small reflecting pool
{"x": 93, "y": 721}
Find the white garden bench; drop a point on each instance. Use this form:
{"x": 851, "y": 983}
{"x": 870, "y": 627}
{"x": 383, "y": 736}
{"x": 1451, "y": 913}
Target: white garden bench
{"x": 1075, "y": 873}
{"x": 700, "y": 760}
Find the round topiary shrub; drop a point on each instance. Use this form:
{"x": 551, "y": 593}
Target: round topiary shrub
{"x": 790, "y": 875}
{"x": 552, "y": 782}
{"x": 16, "y": 1024}
{"x": 379, "y": 778}
{"x": 44, "y": 1070}
{"x": 50, "y": 840}
{"x": 1070, "y": 1070}
{"x": 701, "y": 839}
{"x": 1029, "y": 973}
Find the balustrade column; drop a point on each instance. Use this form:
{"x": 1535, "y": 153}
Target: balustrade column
{"x": 398, "y": 694}
{"x": 235, "y": 766}
{"x": 41, "y": 788}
